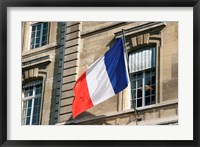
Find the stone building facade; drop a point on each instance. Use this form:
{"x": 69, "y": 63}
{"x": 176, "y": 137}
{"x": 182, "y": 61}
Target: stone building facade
{"x": 55, "y": 54}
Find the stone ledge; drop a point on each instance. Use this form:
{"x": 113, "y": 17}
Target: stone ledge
{"x": 38, "y": 51}
{"x": 159, "y": 121}
{"x": 116, "y": 114}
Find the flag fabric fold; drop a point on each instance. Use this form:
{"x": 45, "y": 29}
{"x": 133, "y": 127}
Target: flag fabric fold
{"x": 102, "y": 80}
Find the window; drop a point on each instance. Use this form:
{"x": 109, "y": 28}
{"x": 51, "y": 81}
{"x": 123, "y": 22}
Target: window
{"x": 31, "y": 100}
{"x": 39, "y": 34}
{"x": 143, "y": 77}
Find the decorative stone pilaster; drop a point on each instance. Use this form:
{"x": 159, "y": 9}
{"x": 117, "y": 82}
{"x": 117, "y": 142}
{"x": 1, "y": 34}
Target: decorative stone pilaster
{"x": 69, "y": 73}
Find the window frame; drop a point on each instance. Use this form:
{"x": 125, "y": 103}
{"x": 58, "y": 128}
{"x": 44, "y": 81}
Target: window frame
{"x": 132, "y": 99}
{"x": 32, "y": 98}
{"x": 41, "y": 34}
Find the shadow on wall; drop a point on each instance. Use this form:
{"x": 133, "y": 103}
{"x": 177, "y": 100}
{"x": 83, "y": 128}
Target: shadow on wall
{"x": 55, "y": 101}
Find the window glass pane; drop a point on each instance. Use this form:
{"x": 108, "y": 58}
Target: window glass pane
{"x": 147, "y": 90}
{"x": 36, "y": 45}
{"x": 36, "y": 101}
{"x": 147, "y": 73}
{"x": 139, "y": 102}
{"x": 27, "y": 120}
{"x": 32, "y": 34}
{"x": 38, "y": 91}
{"x": 139, "y": 83}
{"x": 29, "y": 112}
{"x": 38, "y": 34}
{"x": 147, "y": 101}
{"x": 147, "y": 81}
{"x": 139, "y": 93}
{"x": 29, "y": 103}
{"x": 153, "y": 80}
{"x": 45, "y": 25}
{"x": 30, "y": 92}
{"x": 153, "y": 73}
{"x": 44, "y": 32}
{"x": 33, "y": 28}
{"x": 44, "y": 43}
{"x": 35, "y": 120}
{"x": 36, "y": 111}
{"x": 133, "y": 84}
{"x": 153, "y": 90}
{"x": 133, "y": 94}
{"x": 133, "y": 76}
{"x": 39, "y": 86}
{"x": 153, "y": 100}
{"x": 139, "y": 75}
{"x": 37, "y": 40}
{"x": 39, "y": 27}
{"x": 44, "y": 38}
{"x": 29, "y": 88}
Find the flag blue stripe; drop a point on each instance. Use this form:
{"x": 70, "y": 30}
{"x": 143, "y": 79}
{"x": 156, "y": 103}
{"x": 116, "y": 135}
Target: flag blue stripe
{"x": 115, "y": 66}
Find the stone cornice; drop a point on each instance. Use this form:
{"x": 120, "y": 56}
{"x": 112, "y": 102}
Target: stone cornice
{"x": 116, "y": 114}
{"x": 38, "y": 51}
{"x": 36, "y": 61}
{"x": 141, "y": 28}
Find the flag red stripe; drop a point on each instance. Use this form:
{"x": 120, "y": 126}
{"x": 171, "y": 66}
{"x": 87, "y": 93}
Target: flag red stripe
{"x": 82, "y": 100}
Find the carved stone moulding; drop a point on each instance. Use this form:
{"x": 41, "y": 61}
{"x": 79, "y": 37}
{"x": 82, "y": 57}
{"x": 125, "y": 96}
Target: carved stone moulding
{"x": 35, "y": 67}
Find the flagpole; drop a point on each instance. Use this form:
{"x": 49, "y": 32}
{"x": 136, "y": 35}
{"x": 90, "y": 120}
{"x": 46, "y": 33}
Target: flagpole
{"x": 124, "y": 42}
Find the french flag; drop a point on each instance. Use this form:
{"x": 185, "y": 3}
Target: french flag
{"x": 102, "y": 80}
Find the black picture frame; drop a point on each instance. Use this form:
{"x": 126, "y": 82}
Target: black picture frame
{"x": 4, "y": 4}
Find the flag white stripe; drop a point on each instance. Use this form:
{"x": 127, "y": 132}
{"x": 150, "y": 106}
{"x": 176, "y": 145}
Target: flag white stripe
{"x": 99, "y": 85}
